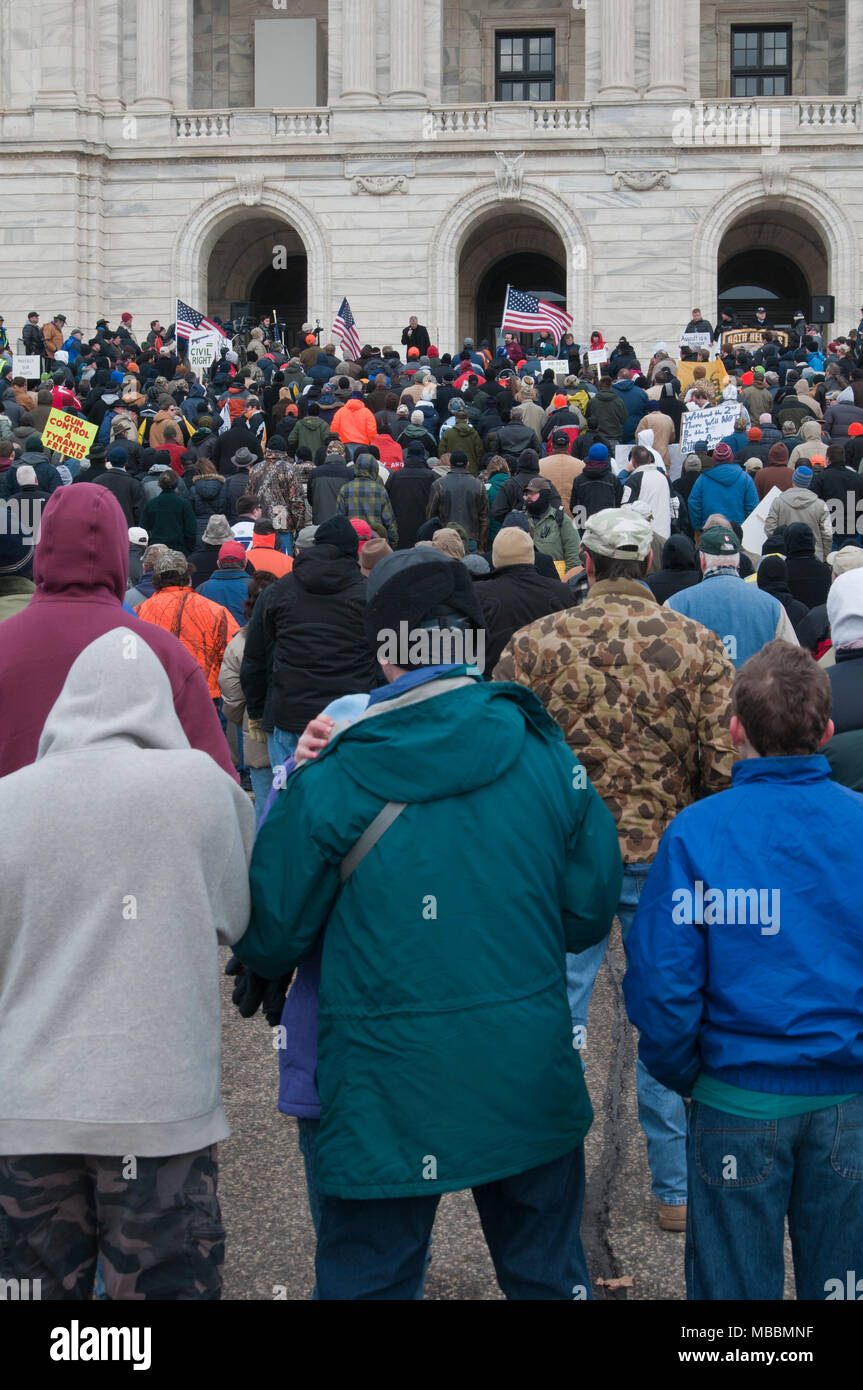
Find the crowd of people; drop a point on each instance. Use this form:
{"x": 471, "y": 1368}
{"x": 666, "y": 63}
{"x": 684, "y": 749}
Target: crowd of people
{"x": 250, "y": 603}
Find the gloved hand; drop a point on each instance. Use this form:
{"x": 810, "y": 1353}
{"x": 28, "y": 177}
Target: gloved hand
{"x": 256, "y": 731}
{"x": 252, "y": 992}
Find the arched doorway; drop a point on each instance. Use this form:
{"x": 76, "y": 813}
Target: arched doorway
{"x": 507, "y": 247}
{"x": 771, "y": 257}
{"x": 258, "y": 264}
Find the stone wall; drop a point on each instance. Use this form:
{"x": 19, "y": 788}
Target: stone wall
{"x": 224, "y": 49}
{"x": 468, "y": 45}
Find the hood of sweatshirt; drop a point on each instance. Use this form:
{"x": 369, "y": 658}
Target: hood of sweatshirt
{"x": 83, "y": 544}
{"x": 810, "y": 431}
{"x": 325, "y": 570}
{"x": 117, "y": 691}
{"x": 726, "y": 474}
{"x": 799, "y": 499}
{"x": 366, "y": 466}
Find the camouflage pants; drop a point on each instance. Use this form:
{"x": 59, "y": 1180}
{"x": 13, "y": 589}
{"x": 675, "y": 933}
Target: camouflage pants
{"x": 159, "y": 1233}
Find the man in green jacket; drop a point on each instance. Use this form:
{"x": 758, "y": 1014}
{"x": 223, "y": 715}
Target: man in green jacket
{"x": 462, "y": 435}
{"x": 445, "y": 1057}
{"x": 554, "y": 534}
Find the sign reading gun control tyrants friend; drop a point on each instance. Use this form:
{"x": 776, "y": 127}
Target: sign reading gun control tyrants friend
{"x": 67, "y": 435}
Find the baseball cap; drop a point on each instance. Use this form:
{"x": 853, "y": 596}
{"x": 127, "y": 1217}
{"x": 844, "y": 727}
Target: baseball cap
{"x": 138, "y": 536}
{"x": 537, "y": 484}
{"x": 232, "y": 550}
{"x": 718, "y": 541}
{"x": 172, "y": 562}
{"x": 850, "y": 557}
{"x": 619, "y": 533}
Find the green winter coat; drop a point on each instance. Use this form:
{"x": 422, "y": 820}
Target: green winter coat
{"x": 445, "y": 1055}
{"x": 310, "y": 432}
{"x": 555, "y": 535}
{"x": 463, "y": 437}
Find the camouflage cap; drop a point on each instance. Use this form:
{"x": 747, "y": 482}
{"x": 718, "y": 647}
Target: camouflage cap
{"x": 619, "y": 533}
{"x": 172, "y": 562}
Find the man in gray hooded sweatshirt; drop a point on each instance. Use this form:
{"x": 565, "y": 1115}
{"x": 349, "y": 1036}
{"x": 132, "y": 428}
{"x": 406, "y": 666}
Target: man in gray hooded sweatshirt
{"x": 110, "y": 1104}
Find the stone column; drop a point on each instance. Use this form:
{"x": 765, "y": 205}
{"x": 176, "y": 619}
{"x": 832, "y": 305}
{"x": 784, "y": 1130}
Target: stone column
{"x": 617, "y": 56}
{"x": 854, "y": 48}
{"x": 667, "y": 49}
{"x": 359, "y": 76}
{"x": 407, "y": 84}
{"x": 153, "y": 50}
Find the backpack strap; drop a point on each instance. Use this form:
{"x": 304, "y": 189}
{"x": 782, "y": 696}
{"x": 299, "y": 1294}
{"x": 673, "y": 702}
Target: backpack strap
{"x": 369, "y": 838}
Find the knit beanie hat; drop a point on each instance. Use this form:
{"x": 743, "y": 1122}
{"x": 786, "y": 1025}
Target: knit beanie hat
{"x": 754, "y": 433}
{"x": 845, "y": 608}
{"x": 855, "y": 429}
{"x": 598, "y": 453}
{"x": 338, "y": 531}
{"x": 723, "y": 454}
{"x": 511, "y": 547}
{"x": 118, "y": 457}
{"x": 802, "y": 476}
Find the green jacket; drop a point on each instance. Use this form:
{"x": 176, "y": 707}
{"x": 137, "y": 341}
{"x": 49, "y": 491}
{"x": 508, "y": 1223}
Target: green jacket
{"x": 555, "y": 535}
{"x": 309, "y": 432}
{"x": 15, "y": 594}
{"x": 445, "y": 1056}
{"x": 169, "y": 520}
{"x": 463, "y": 437}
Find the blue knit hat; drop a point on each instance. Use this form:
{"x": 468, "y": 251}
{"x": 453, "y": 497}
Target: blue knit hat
{"x": 802, "y": 476}
{"x": 598, "y": 452}
{"x": 118, "y": 457}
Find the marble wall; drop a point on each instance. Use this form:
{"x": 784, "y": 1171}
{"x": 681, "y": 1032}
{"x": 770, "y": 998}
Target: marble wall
{"x": 223, "y": 48}
{"x": 818, "y": 42}
{"x": 468, "y": 44}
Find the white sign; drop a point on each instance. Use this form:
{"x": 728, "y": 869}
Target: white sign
{"x": 558, "y": 365}
{"x": 204, "y": 349}
{"x": 696, "y": 340}
{"x": 711, "y": 424}
{"x": 754, "y": 531}
{"x": 28, "y": 367}
{"x": 595, "y": 358}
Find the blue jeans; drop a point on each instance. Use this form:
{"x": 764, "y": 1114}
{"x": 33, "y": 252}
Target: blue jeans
{"x": 262, "y": 781}
{"x": 280, "y": 747}
{"x": 661, "y": 1112}
{"x": 376, "y": 1249}
{"x": 308, "y": 1138}
{"x": 746, "y": 1174}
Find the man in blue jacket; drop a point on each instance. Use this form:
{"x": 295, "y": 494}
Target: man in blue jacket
{"x": 744, "y": 980}
{"x": 636, "y": 401}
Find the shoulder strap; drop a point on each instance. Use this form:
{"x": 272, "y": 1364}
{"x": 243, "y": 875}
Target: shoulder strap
{"x": 369, "y": 838}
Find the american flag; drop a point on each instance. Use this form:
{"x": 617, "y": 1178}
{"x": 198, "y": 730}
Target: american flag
{"x": 189, "y": 321}
{"x": 528, "y": 313}
{"x": 345, "y": 329}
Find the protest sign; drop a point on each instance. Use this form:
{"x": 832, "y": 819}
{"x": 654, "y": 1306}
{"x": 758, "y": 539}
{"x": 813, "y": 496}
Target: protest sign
{"x": 558, "y": 365}
{"x": 751, "y": 337}
{"x": 28, "y": 367}
{"x": 202, "y": 353}
{"x": 754, "y": 531}
{"x": 711, "y": 424}
{"x": 67, "y": 435}
{"x": 599, "y": 356}
{"x": 696, "y": 340}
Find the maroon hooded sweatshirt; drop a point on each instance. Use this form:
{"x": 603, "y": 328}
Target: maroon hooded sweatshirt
{"x": 80, "y": 567}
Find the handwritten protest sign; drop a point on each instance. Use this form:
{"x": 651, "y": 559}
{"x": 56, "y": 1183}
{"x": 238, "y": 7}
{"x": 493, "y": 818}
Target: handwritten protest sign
{"x": 204, "y": 350}
{"x": 696, "y": 340}
{"x": 712, "y": 424}
{"x": 599, "y": 356}
{"x": 559, "y": 365}
{"x": 28, "y": 367}
{"x": 67, "y": 435}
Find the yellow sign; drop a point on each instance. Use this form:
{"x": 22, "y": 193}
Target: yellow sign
{"x": 67, "y": 435}
{"x": 751, "y": 337}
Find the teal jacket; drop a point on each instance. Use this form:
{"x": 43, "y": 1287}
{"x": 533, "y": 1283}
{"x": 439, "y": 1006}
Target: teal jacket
{"x": 445, "y": 1056}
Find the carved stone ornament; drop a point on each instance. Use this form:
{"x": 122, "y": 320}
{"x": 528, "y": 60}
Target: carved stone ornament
{"x": 775, "y": 179}
{"x": 250, "y": 188}
{"x": 509, "y": 174}
{"x": 642, "y": 180}
{"x": 379, "y": 184}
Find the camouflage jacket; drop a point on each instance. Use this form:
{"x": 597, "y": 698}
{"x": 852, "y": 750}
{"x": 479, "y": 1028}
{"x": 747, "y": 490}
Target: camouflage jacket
{"x": 643, "y": 700}
{"x": 276, "y": 484}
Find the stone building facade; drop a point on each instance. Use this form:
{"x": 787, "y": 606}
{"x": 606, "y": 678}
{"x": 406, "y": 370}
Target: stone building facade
{"x": 631, "y": 181}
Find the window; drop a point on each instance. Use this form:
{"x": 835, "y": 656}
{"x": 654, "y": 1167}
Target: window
{"x": 761, "y": 62}
{"x": 524, "y": 66}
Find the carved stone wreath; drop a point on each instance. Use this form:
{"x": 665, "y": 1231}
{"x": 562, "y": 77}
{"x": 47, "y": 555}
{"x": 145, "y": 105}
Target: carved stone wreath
{"x": 379, "y": 184}
{"x": 642, "y": 180}
{"x": 250, "y": 188}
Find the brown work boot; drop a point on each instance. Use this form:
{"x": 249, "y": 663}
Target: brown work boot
{"x": 672, "y": 1218}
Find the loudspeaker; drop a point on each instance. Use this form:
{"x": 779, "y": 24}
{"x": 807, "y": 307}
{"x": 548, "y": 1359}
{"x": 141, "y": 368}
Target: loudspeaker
{"x": 822, "y": 309}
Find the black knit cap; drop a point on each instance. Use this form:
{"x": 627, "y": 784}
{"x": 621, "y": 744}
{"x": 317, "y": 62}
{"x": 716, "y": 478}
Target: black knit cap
{"x": 338, "y": 532}
{"x": 414, "y": 586}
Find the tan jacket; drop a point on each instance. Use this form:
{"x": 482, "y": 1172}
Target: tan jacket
{"x": 561, "y": 471}
{"x": 53, "y": 338}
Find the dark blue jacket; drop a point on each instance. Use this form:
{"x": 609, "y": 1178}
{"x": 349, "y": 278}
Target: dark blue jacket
{"x": 638, "y": 404}
{"x": 230, "y": 588}
{"x": 773, "y": 1004}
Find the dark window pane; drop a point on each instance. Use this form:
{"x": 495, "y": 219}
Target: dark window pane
{"x": 505, "y": 63}
{"x": 506, "y": 47}
{"x": 547, "y": 91}
{"x": 518, "y": 53}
